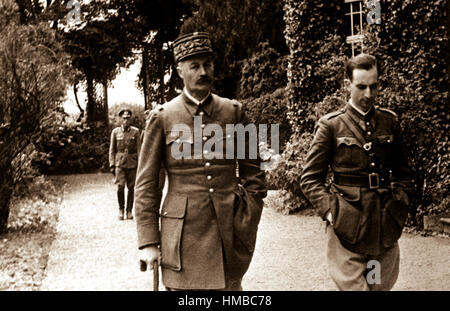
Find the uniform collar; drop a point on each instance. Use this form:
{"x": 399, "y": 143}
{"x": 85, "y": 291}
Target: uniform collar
{"x": 123, "y": 129}
{"x": 360, "y": 118}
{"x": 194, "y": 108}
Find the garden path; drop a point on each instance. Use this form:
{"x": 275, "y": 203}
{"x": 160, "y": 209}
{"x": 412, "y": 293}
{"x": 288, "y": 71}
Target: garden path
{"x": 93, "y": 251}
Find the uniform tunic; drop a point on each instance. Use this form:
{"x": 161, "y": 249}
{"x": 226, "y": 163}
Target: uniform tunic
{"x": 208, "y": 222}
{"x": 124, "y": 147}
{"x": 367, "y": 221}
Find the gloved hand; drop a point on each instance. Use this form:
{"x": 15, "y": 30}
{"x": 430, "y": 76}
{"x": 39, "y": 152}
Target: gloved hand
{"x": 112, "y": 170}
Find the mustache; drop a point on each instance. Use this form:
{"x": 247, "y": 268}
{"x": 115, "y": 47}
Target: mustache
{"x": 204, "y": 80}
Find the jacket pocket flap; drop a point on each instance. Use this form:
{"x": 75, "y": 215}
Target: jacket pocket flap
{"x": 348, "y": 140}
{"x": 385, "y": 139}
{"x": 349, "y": 193}
{"x": 179, "y": 137}
{"x": 174, "y": 206}
{"x": 399, "y": 211}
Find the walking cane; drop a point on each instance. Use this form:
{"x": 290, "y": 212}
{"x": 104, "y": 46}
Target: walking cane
{"x": 143, "y": 267}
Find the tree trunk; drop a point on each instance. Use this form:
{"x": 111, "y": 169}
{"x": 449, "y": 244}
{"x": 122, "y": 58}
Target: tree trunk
{"x": 90, "y": 105}
{"x": 5, "y": 195}
{"x": 105, "y": 101}
{"x": 161, "y": 73}
{"x": 146, "y": 77}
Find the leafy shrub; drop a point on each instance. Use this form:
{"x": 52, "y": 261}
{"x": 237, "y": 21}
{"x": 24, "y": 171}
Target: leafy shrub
{"x": 70, "y": 147}
{"x": 270, "y": 109}
{"x": 38, "y": 209}
{"x": 263, "y": 72}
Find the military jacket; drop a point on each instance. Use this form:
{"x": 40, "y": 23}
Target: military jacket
{"x": 367, "y": 218}
{"x": 207, "y": 225}
{"x": 124, "y": 147}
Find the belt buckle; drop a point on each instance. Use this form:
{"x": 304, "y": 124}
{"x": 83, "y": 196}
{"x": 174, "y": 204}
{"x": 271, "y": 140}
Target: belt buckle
{"x": 374, "y": 181}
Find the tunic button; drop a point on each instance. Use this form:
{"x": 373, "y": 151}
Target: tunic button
{"x": 165, "y": 213}
{"x": 209, "y": 177}
{"x": 367, "y": 123}
{"x": 207, "y": 164}
{"x": 341, "y": 194}
{"x": 211, "y": 190}
{"x": 372, "y": 164}
{"x": 205, "y": 138}
{"x": 389, "y": 141}
{"x": 201, "y": 113}
{"x": 205, "y": 151}
{"x": 178, "y": 140}
{"x": 203, "y": 126}
{"x": 369, "y": 133}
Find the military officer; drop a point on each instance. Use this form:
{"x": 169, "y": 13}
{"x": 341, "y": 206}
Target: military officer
{"x": 367, "y": 203}
{"x": 206, "y": 232}
{"x": 123, "y": 158}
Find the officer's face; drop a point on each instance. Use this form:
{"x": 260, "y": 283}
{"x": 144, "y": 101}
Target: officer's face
{"x": 125, "y": 121}
{"x": 197, "y": 73}
{"x": 364, "y": 88}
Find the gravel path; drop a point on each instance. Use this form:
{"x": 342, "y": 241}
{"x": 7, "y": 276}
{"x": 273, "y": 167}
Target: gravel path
{"x": 93, "y": 251}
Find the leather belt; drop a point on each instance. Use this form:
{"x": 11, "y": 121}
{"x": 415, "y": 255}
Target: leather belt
{"x": 372, "y": 180}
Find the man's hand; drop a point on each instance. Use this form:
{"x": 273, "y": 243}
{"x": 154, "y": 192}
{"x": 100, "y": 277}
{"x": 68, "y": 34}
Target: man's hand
{"x": 112, "y": 169}
{"x": 149, "y": 255}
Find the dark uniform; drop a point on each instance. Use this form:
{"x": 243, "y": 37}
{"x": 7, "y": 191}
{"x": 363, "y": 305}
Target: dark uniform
{"x": 123, "y": 159}
{"x": 208, "y": 222}
{"x": 367, "y": 197}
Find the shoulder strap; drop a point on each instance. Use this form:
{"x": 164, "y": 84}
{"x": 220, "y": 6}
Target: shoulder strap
{"x": 352, "y": 128}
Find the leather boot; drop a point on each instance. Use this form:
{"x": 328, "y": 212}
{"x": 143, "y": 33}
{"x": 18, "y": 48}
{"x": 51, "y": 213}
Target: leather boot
{"x": 121, "y": 200}
{"x": 130, "y": 199}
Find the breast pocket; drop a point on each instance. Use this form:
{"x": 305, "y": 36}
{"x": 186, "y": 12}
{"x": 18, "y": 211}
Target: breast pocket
{"x": 179, "y": 145}
{"x": 385, "y": 148}
{"x": 348, "y": 151}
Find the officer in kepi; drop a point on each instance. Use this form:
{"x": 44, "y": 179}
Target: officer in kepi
{"x": 123, "y": 159}
{"x": 205, "y": 235}
{"x": 366, "y": 205}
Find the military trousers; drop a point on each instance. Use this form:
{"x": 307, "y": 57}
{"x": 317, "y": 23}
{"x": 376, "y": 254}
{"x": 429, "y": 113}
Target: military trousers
{"x": 361, "y": 272}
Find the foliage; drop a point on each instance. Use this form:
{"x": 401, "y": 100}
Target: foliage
{"x": 236, "y": 28}
{"x": 65, "y": 147}
{"x": 270, "y": 109}
{"x": 315, "y": 35}
{"x": 263, "y": 72}
{"x": 36, "y": 210}
{"x": 286, "y": 176}
{"x": 33, "y": 79}
{"x": 262, "y": 90}
{"x": 411, "y": 45}
{"x": 71, "y": 147}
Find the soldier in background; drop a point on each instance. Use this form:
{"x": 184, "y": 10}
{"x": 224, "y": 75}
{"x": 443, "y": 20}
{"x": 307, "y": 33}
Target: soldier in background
{"x": 123, "y": 158}
{"x": 367, "y": 204}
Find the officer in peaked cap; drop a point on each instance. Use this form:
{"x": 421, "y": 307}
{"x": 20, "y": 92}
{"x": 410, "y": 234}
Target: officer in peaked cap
{"x": 200, "y": 237}
{"x": 123, "y": 158}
